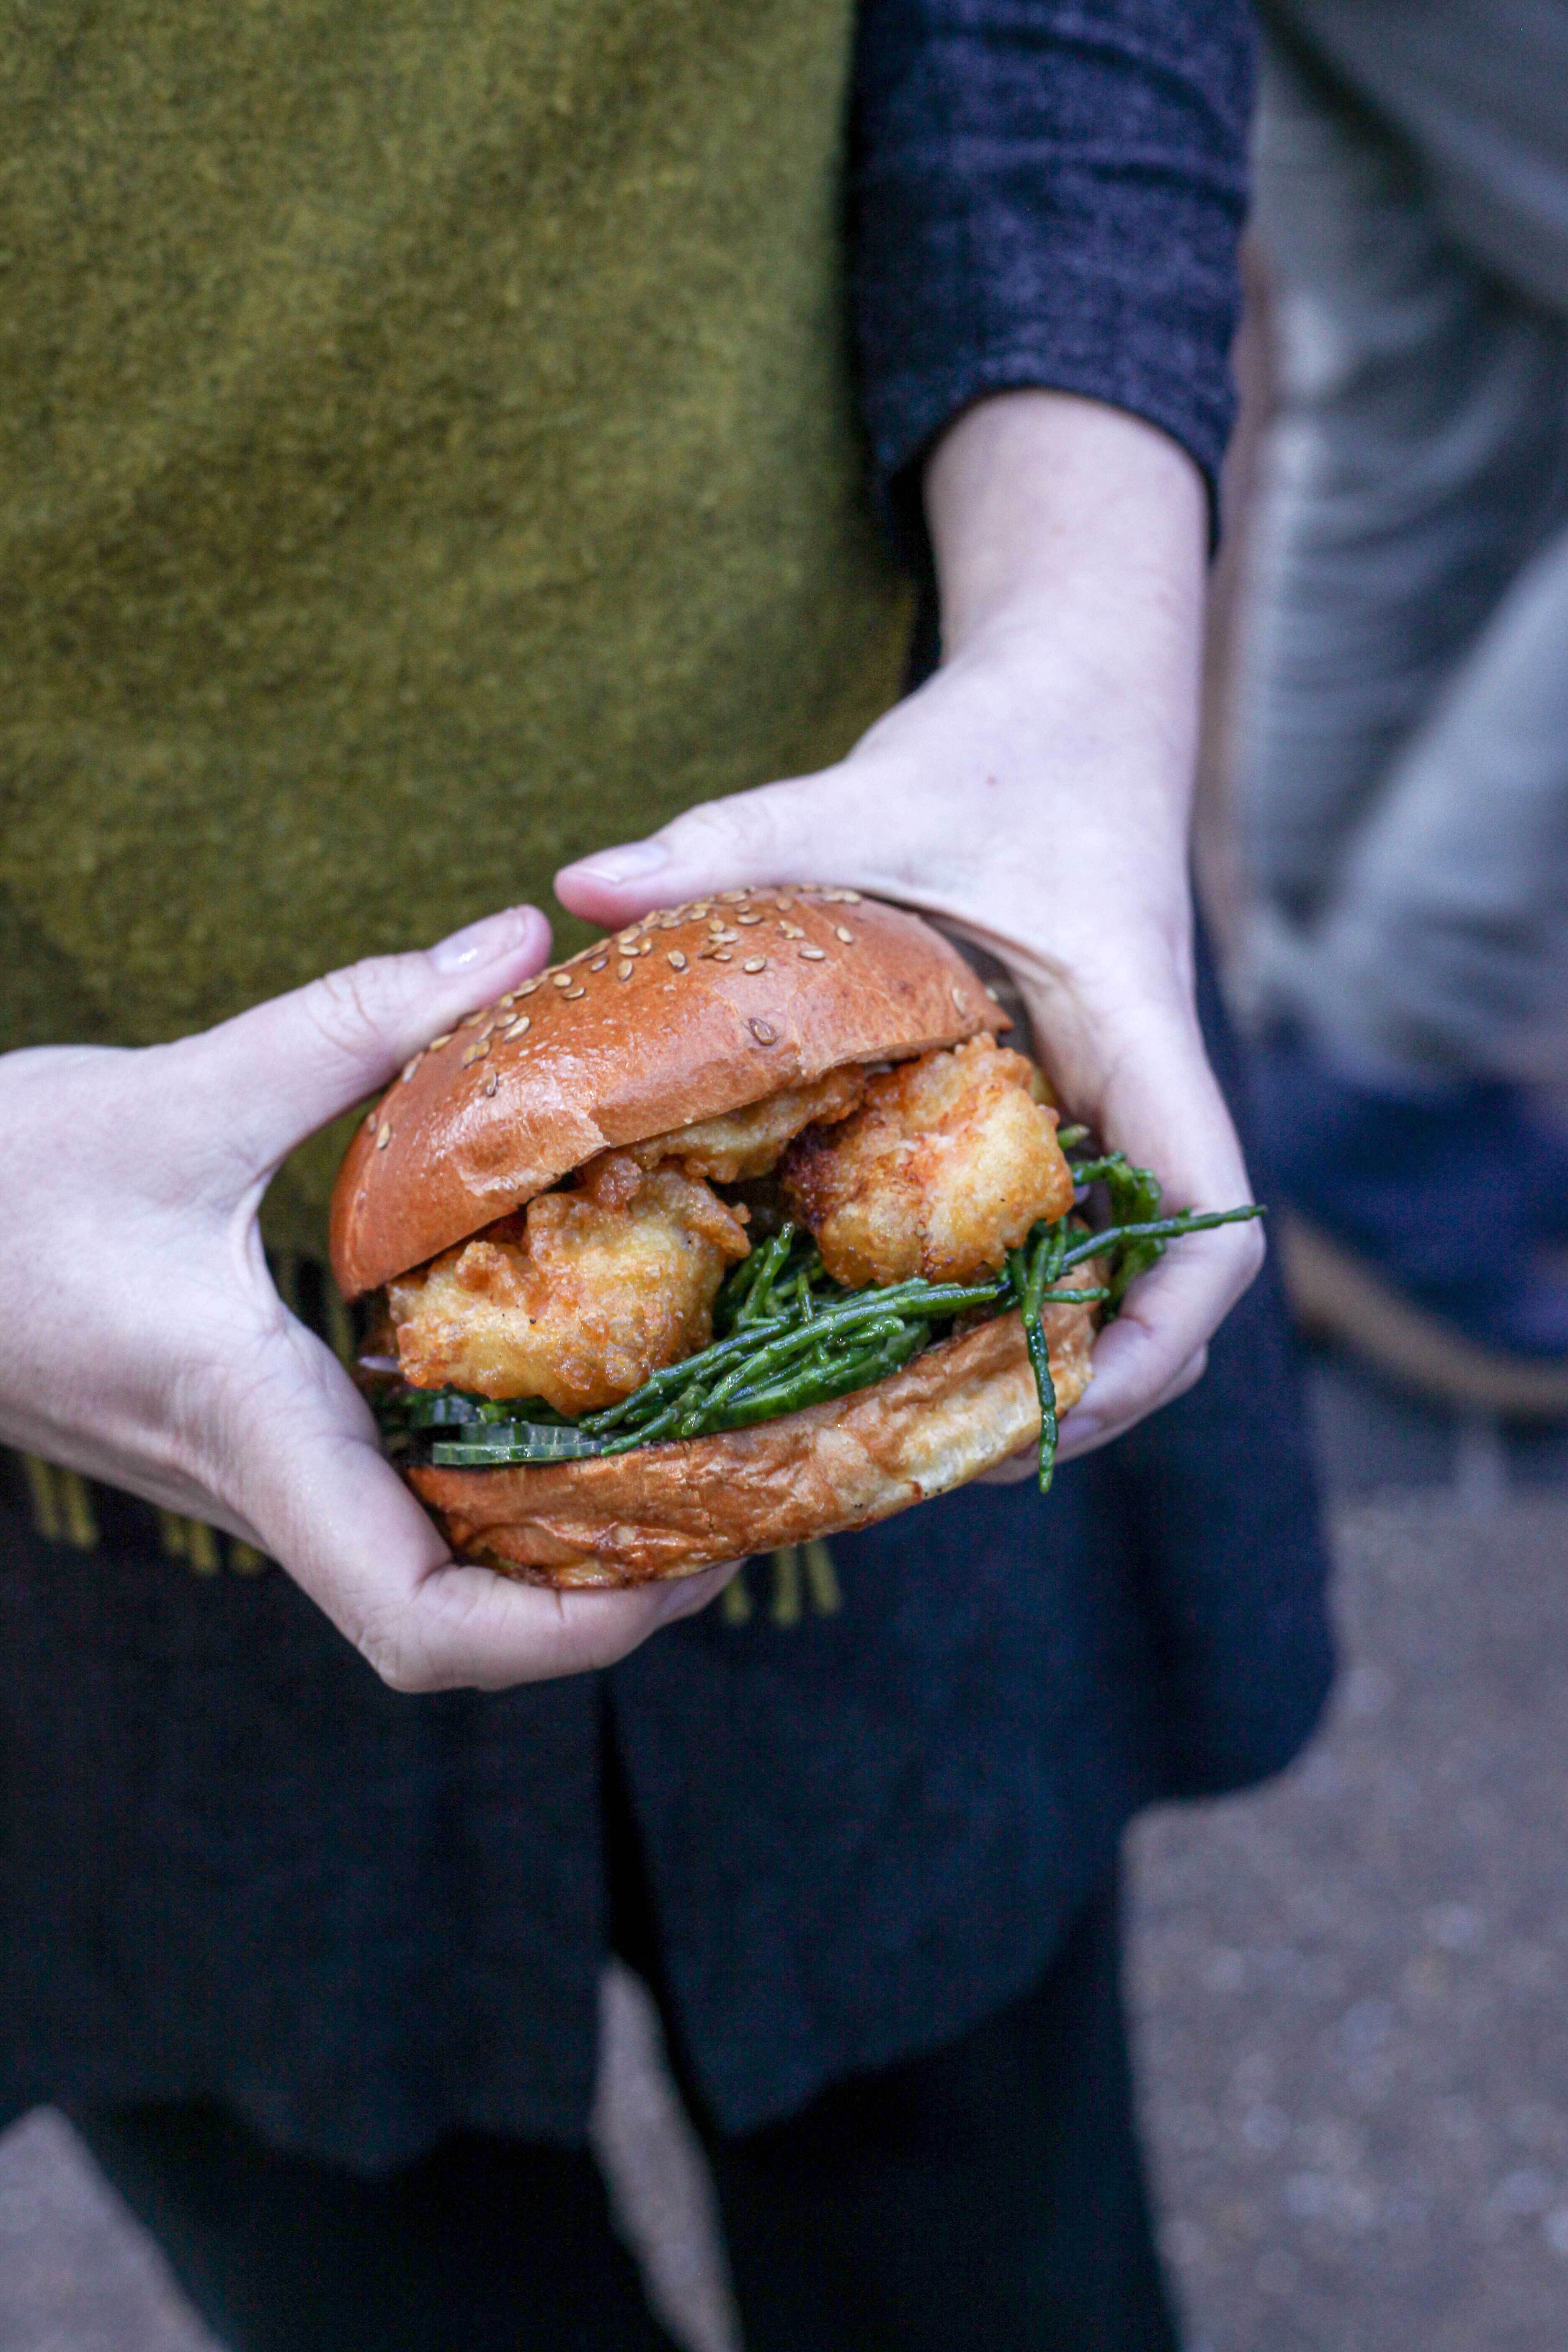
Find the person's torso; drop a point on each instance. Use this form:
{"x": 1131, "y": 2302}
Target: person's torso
{"x": 426, "y": 451}
{"x": 1480, "y": 94}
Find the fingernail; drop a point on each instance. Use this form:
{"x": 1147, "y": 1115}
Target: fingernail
{"x": 485, "y": 941}
{"x": 627, "y": 864}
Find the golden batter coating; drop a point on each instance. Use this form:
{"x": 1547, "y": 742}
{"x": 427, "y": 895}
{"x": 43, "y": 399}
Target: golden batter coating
{"x": 944, "y": 1169}
{"x": 578, "y": 1298}
{"x": 747, "y": 1142}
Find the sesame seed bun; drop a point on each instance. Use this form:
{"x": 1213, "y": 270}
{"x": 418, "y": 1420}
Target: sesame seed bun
{"x": 691, "y": 1013}
{"x": 672, "y": 1510}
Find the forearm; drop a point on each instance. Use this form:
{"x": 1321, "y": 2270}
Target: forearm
{"x": 1059, "y": 738}
{"x": 1065, "y": 516}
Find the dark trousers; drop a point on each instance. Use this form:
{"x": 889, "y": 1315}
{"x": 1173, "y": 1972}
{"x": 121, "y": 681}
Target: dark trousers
{"x": 988, "y": 2194}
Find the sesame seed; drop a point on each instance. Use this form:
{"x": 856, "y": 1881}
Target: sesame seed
{"x": 490, "y": 1082}
{"x": 598, "y": 963}
{"x": 784, "y": 905}
{"x": 469, "y": 1019}
{"x": 572, "y": 996}
{"x": 667, "y": 921}
{"x": 528, "y": 988}
{"x": 960, "y": 999}
{"x": 370, "y": 1122}
{"x": 625, "y": 971}
{"x": 382, "y": 1136}
{"x": 722, "y": 955}
{"x": 849, "y": 897}
{"x": 678, "y": 960}
{"x": 755, "y": 963}
{"x": 443, "y": 1039}
{"x": 475, "y": 1052}
{"x": 733, "y": 898}
{"x": 560, "y": 980}
{"x": 840, "y": 933}
{"x": 748, "y": 918}
{"x": 519, "y": 1027}
{"x": 991, "y": 993}
{"x": 697, "y": 909}
{"x": 409, "y": 1068}
{"x": 792, "y": 930}
{"x": 761, "y": 1033}
{"x": 627, "y": 940}
{"x": 814, "y": 955}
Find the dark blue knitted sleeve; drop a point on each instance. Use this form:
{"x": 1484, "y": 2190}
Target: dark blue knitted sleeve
{"x": 1047, "y": 193}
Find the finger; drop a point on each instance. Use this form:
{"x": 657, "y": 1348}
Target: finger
{"x": 1141, "y": 1078}
{"x": 313, "y": 1484}
{"x": 689, "y": 1595}
{"x": 1085, "y": 1433}
{"x": 1149, "y": 1355}
{"x": 790, "y": 832}
{"x": 285, "y": 1068}
{"x": 470, "y": 1628}
{"x": 1025, "y": 1464}
{"x": 1167, "y": 1319}
{"x": 1082, "y": 1433}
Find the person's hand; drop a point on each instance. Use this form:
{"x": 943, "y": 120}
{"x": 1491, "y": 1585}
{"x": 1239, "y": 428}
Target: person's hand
{"x": 146, "y": 1345}
{"x": 1035, "y": 793}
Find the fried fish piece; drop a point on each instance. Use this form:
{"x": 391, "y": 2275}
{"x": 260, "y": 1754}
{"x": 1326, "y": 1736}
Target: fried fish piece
{"x": 579, "y": 1297}
{"x": 745, "y": 1143}
{"x": 946, "y": 1166}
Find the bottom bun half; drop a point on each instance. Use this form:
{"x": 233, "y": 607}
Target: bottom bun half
{"x": 670, "y": 1510}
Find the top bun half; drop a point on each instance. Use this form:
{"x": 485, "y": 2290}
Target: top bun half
{"x": 691, "y": 1012}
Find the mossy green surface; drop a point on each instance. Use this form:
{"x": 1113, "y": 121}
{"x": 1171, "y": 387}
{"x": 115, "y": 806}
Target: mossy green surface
{"x": 426, "y": 452}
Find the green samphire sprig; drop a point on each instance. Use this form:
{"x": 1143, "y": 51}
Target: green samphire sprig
{"x": 787, "y": 1336}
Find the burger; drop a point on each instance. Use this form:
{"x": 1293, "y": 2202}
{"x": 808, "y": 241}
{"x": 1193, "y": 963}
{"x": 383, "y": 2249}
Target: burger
{"x": 740, "y": 1227}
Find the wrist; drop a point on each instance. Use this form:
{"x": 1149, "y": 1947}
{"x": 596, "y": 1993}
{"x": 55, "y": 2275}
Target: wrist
{"x": 1045, "y": 507}
{"x": 1067, "y": 751}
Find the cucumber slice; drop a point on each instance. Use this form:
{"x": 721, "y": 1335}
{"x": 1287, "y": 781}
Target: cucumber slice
{"x": 500, "y": 1444}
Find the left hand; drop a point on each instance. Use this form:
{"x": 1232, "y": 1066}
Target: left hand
{"x": 147, "y": 1346}
{"x": 1034, "y": 791}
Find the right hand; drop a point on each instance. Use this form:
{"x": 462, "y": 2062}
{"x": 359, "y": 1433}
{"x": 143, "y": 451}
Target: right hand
{"x": 147, "y": 1346}
{"x": 1034, "y": 791}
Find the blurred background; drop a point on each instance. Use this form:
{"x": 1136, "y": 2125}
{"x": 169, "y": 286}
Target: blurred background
{"x": 1348, "y": 1986}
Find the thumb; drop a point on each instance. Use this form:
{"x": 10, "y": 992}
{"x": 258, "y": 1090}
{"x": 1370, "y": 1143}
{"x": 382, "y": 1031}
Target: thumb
{"x": 286, "y": 1067}
{"x": 799, "y": 831}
